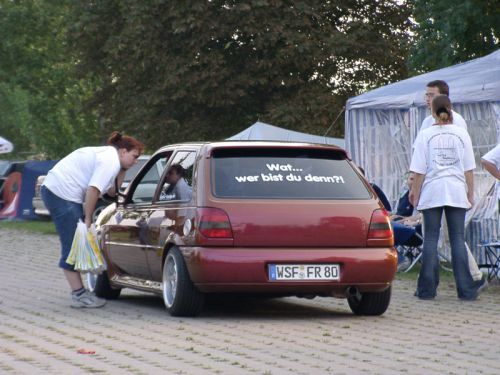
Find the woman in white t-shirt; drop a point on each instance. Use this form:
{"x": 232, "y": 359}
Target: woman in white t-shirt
{"x": 82, "y": 176}
{"x": 443, "y": 164}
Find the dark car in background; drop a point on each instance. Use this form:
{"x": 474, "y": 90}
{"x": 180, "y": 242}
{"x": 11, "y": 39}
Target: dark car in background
{"x": 41, "y": 210}
{"x": 4, "y": 167}
{"x": 269, "y": 218}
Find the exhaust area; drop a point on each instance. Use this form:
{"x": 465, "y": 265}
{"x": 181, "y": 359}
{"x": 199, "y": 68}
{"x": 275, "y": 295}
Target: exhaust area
{"x": 353, "y": 292}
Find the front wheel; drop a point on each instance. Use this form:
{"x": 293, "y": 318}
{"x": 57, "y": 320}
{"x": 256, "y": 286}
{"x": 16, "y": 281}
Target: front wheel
{"x": 91, "y": 281}
{"x": 370, "y": 303}
{"x": 99, "y": 284}
{"x": 100, "y": 206}
{"x": 179, "y": 294}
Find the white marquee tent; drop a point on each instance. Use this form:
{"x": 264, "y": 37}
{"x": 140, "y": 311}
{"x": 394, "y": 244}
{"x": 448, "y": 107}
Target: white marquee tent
{"x": 261, "y": 131}
{"x": 381, "y": 125}
{"x": 5, "y": 146}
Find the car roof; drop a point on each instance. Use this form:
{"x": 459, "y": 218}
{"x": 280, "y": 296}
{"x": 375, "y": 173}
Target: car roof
{"x": 209, "y": 146}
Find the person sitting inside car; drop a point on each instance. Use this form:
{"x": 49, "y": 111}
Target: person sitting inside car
{"x": 176, "y": 187}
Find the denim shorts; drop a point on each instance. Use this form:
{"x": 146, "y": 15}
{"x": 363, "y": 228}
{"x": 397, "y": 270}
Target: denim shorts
{"x": 65, "y": 215}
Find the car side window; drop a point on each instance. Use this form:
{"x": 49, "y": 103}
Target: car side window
{"x": 177, "y": 181}
{"x": 144, "y": 189}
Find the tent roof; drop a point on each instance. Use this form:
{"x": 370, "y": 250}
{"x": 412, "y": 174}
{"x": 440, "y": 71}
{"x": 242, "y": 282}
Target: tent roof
{"x": 473, "y": 81}
{"x": 5, "y": 146}
{"x": 261, "y": 131}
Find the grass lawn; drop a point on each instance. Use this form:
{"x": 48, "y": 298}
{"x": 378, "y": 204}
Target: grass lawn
{"x": 36, "y": 226}
{"x": 413, "y": 274}
{"x": 446, "y": 278}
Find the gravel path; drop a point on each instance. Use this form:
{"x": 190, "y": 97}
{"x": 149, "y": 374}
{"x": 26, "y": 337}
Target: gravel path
{"x": 40, "y": 333}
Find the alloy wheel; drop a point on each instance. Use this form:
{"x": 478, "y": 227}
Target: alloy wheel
{"x": 170, "y": 280}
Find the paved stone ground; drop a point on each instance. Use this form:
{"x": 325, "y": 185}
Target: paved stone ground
{"x": 40, "y": 333}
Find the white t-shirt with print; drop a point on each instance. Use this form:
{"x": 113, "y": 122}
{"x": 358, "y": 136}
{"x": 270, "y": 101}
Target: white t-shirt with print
{"x": 457, "y": 120}
{"x": 180, "y": 191}
{"x": 87, "y": 166}
{"x": 493, "y": 156}
{"x": 443, "y": 153}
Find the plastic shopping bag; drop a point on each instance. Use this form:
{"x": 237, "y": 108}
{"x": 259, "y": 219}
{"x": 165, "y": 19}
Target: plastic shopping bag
{"x": 85, "y": 253}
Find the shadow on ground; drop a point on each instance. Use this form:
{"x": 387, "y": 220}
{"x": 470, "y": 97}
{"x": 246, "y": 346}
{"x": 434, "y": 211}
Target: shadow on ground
{"x": 240, "y": 306}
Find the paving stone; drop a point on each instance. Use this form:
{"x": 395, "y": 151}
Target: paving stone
{"x": 40, "y": 333}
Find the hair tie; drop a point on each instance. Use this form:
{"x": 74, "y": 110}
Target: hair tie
{"x": 442, "y": 110}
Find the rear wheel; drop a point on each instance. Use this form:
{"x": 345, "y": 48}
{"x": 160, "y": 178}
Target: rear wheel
{"x": 99, "y": 284}
{"x": 370, "y": 303}
{"x": 179, "y": 294}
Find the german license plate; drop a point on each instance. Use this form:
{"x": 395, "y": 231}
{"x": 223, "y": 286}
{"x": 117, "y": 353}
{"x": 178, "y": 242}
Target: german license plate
{"x": 299, "y": 272}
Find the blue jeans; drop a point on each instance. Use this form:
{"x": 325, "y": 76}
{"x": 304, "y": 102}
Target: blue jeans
{"x": 428, "y": 279}
{"x": 65, "y": 215}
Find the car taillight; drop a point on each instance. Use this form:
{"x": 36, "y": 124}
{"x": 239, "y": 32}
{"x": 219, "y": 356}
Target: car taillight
{"x": 214, "y": 223}
{"x": 380, "y": 230}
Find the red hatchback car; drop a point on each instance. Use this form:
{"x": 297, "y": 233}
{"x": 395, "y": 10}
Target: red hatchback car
{"x": 274, "y": 218}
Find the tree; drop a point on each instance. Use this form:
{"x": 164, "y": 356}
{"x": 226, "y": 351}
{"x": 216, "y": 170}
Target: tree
{"x": 173, "y": 71}
{"x": 40, "y": 102}
{"x": 449, "y": 32}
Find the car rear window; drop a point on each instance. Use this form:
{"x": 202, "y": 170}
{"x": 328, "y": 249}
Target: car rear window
{"x": 284, "y": 174}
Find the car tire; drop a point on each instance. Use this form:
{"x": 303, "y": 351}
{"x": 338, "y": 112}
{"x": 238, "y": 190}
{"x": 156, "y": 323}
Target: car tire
{"x": 370, "y": 303}
{"x": 99, "y": 284}
{"x": 179, "y": 294}
{"x": 91, "y": 281}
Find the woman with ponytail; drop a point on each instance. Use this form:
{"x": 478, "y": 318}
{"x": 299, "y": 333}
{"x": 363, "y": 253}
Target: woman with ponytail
{"x": 82, "y": 176}
{"x": 443, "y": 164}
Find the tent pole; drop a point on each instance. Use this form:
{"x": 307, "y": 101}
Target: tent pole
{"x": 334, "y": 121}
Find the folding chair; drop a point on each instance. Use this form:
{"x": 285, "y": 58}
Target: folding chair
{"x": 408, "y": 243}
{"x": 492, "y": 254}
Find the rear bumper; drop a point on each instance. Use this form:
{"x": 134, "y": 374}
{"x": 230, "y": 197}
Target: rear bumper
{"x": 246, "y": 270}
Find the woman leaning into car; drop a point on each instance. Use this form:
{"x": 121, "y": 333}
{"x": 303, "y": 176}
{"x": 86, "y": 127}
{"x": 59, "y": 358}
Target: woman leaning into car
{"x": 443, "y": 164}
{"x": 82, "y": 176}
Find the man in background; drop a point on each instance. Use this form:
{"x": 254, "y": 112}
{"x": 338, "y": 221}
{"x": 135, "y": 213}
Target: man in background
{"x": 433, "y": 89}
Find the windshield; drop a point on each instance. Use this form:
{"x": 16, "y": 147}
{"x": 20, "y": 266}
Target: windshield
{"x": 132, "y": 171}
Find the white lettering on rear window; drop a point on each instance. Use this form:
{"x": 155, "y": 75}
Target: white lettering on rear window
{"x": 247, "y": 178}
{"x": 282, "y": 167}
{"x": 296, "y": 176}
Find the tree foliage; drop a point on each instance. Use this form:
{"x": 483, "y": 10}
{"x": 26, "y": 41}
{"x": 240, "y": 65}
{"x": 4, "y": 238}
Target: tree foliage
{"x": 40, "y": 100}
{"x": 449, "y": 32}
{"x": 183, "y": 70}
